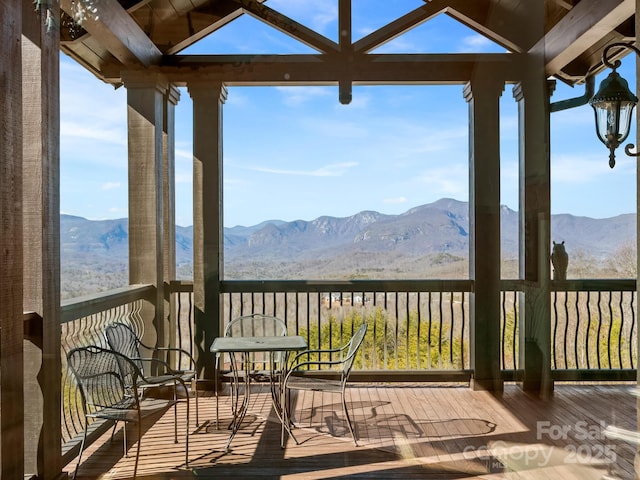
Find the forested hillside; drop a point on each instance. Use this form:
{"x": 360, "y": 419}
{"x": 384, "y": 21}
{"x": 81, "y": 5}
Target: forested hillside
{"x": 429, "y": 241}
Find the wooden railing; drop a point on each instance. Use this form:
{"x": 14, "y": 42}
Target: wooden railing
{"x": 592, "y": 323}
{"x": 418, "y": 330}
{"x": 593, "y": 330}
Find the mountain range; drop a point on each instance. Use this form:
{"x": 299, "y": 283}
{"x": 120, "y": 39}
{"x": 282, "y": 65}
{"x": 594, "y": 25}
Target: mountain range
{"x": 419, "y": 243}
{"x": 439, "y": 227}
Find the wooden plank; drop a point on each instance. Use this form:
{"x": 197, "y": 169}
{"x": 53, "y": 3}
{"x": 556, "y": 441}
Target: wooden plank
{"x": 288, "y": 26}
{"x": 398, "y": 27}
{"x": 457, "y": 439}
{"x": 11, "y": 243}
{"x": 41, "y": 225}
{"x": 581, "y": 28}
{"x": 175, "y": 34}
{"x": 119, "y": 34}
{"x": 371, "y": 69}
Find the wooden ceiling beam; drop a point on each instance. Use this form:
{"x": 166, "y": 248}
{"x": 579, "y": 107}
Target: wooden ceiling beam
{"x": 582, "y": 27}
{"x": 114, "y": 28}
{"x": 369, "y": 69}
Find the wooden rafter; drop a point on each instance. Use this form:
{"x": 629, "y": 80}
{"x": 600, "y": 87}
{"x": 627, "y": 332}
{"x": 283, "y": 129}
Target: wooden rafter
{"x": 201, "y": 21}
{"x": 587, "y": 23}
{"x": 121, "y": 36}
{"x": 494, "y": 21}
{"x": 288, "y": 26}
{"x": 396, "y": 28}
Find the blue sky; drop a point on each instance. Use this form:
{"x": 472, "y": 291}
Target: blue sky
{"x": 296, "y": 153}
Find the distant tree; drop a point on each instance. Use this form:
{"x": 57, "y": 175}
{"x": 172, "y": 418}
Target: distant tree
{"x": 623, "y": 262}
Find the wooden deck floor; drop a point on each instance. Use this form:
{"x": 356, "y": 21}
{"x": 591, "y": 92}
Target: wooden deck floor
{"x": 407, "y": 431}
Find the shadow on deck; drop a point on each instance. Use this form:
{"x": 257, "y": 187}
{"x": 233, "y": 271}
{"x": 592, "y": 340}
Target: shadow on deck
{"x": 405, "y": 431}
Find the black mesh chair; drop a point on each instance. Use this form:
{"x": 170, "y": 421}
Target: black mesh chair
{"x": 124, "y": 340}
{"x": 339, "y": 360}
{"x": 108, "y": 383}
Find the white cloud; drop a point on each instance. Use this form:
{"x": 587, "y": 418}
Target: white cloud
{"x": 321, "y": 128}
{"x": 317, "y": 14}
{"x": 451, "y": 180}
{"x": 183, "y": 177}
{"x": 331, "y": 170}
{"x": 475, "y": 43}
{"x": 578, "y": 169}
{"x": 114, "y": 135}
{"x": 398, "y": 200}
{"x": 119, "y": 211}
{"x": 111, "y": 185}
{"x": 297, "y": 96}
{"x": 184, "y": 154}
{"x": 399, "y": 45}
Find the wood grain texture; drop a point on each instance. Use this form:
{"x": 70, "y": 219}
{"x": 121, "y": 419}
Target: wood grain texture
{"x": 11, "y": 243}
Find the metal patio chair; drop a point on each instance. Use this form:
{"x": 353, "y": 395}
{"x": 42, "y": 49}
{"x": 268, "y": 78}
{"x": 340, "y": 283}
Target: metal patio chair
{"x": 339, "y": 360}
{"x": 124, "y": 340}
{"x": 109, "y": 388}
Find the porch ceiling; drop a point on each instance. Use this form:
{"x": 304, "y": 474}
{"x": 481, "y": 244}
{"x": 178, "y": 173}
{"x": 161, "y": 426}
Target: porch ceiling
{"x": 134, "y": 34}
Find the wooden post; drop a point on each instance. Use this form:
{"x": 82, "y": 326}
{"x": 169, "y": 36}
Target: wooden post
{"x": 207, "y": 218}
{"x": 145, "y": 114}
{"x": 41, "y": 209}
{"x": 532, "y": 95}
{"x": 637, "y": 43}
{"x": 483, "y": 95}
{"x": 11, "y": 240}
{"x": 172, "y": 96}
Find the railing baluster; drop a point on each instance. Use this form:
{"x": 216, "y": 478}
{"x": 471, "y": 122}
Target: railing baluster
{"x": 588, "y": 332}
{"x": 555, "y": 330}
{"x": 566, "y": 328}
{"x": 440, "y": 332}
{"x": 462, "y": 342}
{"x": 503, "y": 332}
{"x": 451, "y": 329}
{"x": 599, "y": 328}
{"x": 408, "y": 328}
{"x": 577, "y": 329}
{"x": 516, "y": 328}
{"x": 620, "y": 330}
{"x": 429, "y": 334}
{"x": 632, "y": 343}
{"x": 610, "y": 308}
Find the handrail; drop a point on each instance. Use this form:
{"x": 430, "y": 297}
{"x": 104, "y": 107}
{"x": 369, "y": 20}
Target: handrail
{"x": 99, "y": 302}
{"x": 320, "y": 286}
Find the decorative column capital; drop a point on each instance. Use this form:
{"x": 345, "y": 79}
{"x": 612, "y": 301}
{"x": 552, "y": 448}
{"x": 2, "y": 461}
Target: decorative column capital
{"x": 483, "y": 85}
{"x": 202, "y": 90}
{"x": 173, "y": 94}
{"x": 143, "y": 79}
{"x": 519, "y": 89}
